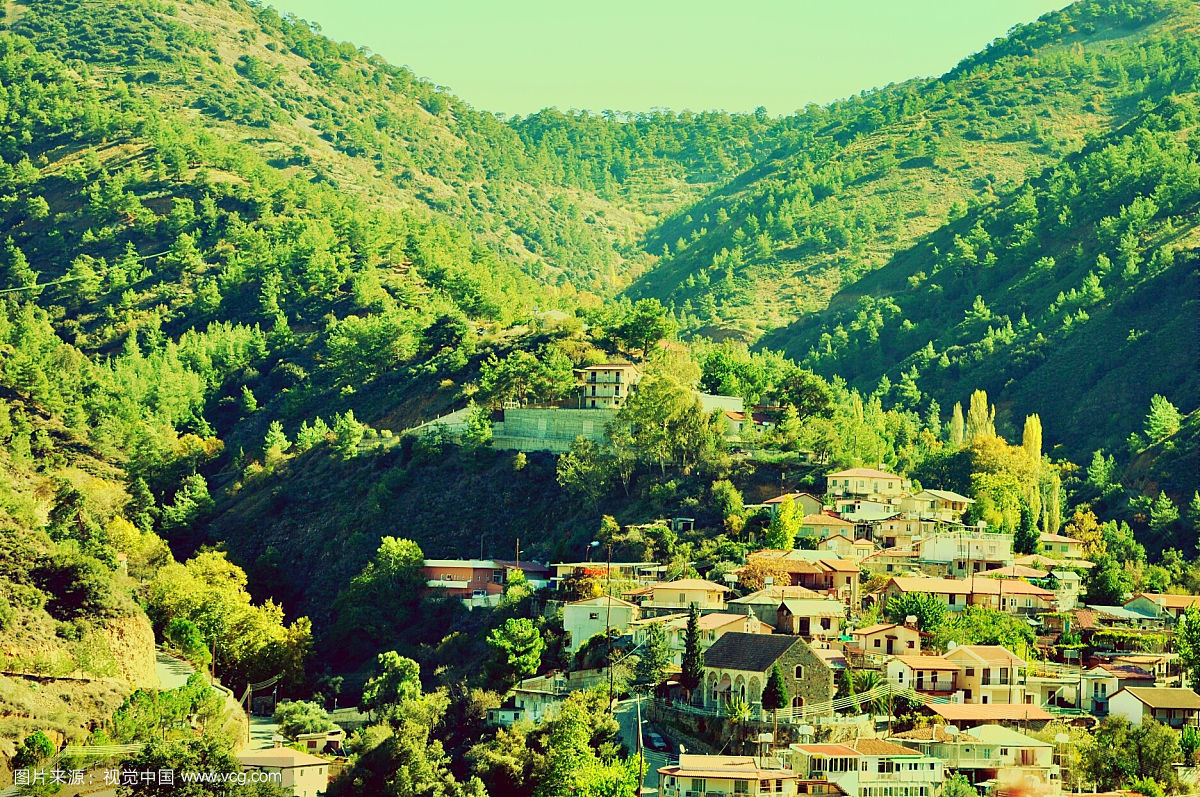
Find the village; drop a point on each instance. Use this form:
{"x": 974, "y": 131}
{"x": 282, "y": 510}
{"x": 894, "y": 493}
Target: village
{"x": 871, "y": 705}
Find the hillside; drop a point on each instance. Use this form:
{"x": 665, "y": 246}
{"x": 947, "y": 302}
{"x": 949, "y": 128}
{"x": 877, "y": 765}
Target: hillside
{"x": 866, "y": 178}
{"x": 1082, "y": 284}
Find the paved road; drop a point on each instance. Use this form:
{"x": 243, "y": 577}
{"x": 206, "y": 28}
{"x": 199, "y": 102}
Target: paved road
{"x": 172, "y": 672}
{"x": 262, "y": 730}
{"x": 626, "y": 716}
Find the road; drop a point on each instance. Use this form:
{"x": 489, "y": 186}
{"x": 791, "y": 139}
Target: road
{"x": 626, "y": 716}
{"x": 172, "y": 672}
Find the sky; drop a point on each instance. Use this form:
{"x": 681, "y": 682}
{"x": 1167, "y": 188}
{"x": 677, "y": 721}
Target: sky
{"x": 519, "y": 56}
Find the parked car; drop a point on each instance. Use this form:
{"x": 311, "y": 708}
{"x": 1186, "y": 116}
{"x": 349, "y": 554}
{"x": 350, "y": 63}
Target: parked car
{"x": 656, "y": 742}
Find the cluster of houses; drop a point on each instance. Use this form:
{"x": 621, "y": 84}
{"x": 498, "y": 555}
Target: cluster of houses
{"x": 977, "y": 704}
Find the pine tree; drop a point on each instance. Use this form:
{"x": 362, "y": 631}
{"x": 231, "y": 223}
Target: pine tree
{"x": 957, "y": 426}
{"x": 655, "y": 657}
{"x": 784, "y": 526}
{"x": 1025, "y": 539}
{"x": 1194, "y": 513}
{"x": 1031, "y": 438}
{"x": 347, "y": 434}
{"x": 276, "y": 442}
{"x": 1163, "y": 516}
{"x": 1163, "y": 419}
{"x": 981, "y": 417}
{"x": 933, "y": 418}
{"x": 692, "y": 664}
{"x": 141, "y": 508}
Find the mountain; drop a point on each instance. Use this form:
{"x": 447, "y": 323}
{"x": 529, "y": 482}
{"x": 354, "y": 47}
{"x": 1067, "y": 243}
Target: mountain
{"x": 863, "y": 179}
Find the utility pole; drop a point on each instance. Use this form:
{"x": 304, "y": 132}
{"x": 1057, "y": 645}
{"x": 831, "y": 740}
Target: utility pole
{"x": 641, "y": 755}
{"x": 608, "y": 619}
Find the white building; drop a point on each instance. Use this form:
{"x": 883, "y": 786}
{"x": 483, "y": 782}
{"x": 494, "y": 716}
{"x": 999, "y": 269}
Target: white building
{"x": 583, "y": 619}
{"x": 869, "y": 768}
{"x": 303, "y": 774}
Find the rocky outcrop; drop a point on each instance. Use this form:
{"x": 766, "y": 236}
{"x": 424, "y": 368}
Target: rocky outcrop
{"x": 131, "y": 642}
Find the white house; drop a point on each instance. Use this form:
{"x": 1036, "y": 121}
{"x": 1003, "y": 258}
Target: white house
{"x": 585, "y": 618}
{"x": 303, "y": 774}
{"x": 869, "y": 768}
{"x": 1172, "y": 706}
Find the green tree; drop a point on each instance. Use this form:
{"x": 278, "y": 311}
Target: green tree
{"x": 398, "y": 681}
{"x": 654, "y": 657}
{"x": 34, "y": 749}
{"x": 644, "y": 325}
{"x": 276, "y": 443}
{"x": 775, "y": 696}
{"x": 957, "y": 426}
{"x": 781, "y": 534}
{"x": 1164, "y": 517}
{"x": 1031, "y": 437}
{"x": 928, "y": 610}
{"x": 1107, "y": 582}
{"x": 957, "y": 785}
{"x": 518, "y": 646}
{"x": 1187, "y": 644}
{"x": 978, "y": 625}
{"x": 1121, "y": 753}
{"x": 1163, "y": 419}
{"x": 692, "y": 664}
{"x": 347, "y": 434}
{"x": 300, "y": 716}
{"x": 585, "y": 471}
{"x": 981, "y": 418}
{"x": 478, "y": 433}
{"x": 1025, "y": 540}
{"x": 186, "y": 637}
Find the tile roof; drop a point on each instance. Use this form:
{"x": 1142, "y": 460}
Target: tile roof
{"x": 779, "y": 498}
{"x": 1127, "y": 672}
{"x": 861, "y": 473}
{"x": 826, "y": 749}
{"x": 1164, "y": 696}
{"x": 822, "y": 607}
{"x": 984, "y": 712}
{"x": 737, "y": 650}
{"x": 1044, "y": 537}
{"x": 880, "y": 747}
{"x": 692, "y": 583}
{"x": 775, "y": 594}
{"x": 990, "y": 654}
{"x": 824, "y": 520}
{"x": 1168, "y": 601}
{"x": 930, "y": 733}
{"x": 919, "y": 662}
{"x": 1015, "y": 571}
{"x": 950, "y": 495}
{"x": 875, "y": 629}
{"x": 966, "y": 586}
{"x": 723, "y": 766}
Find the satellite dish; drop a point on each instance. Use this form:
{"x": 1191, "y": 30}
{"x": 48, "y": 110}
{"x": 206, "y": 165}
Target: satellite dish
{"x": 806, "y": 730}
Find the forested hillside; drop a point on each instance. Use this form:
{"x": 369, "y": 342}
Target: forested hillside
{"x": 865, "y": 178}
{"x": 238, "y": 260}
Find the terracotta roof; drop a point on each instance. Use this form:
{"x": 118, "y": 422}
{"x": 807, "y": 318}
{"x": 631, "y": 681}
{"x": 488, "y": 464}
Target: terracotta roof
{"x": 737, "y": 650}
{"x": 1044, "y": 537}
{"x": 1127, "y": 672}
{"x": 775, "y": 594}
{"x": 826, "y": 749}
{"x": 987, "y": 712}
{"x": 824, "y": 520}
{"x": 1168, "y": 601}
{"x": 1084, "y": 619}
{"x": 691, "y": 583}
{"x": 918, "y": 662}
{"x": 876, "y": 628}
{"x": 839, "y": 565}
{"x": 930, "y": 733}
{"x": 819, "y": 607}
{"x": 861, "y": 473}
{"x": 950, "y": 495}
{"x": 990, "y": 654}
{"x": 1015, "y": 571}
{"x": 1163, "y": 696}
{"x": 880, "y": 747}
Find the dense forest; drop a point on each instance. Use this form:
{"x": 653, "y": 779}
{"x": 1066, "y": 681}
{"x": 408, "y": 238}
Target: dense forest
{"x": 238, "y": 261}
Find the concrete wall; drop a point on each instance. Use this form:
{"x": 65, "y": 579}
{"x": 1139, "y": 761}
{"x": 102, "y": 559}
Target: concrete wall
{"x": 549, "y": 429}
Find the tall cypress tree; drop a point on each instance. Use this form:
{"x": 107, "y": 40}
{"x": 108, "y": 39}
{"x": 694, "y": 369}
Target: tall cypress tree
{"x": 692, "y": 664}
{"x": 775, "y": 696}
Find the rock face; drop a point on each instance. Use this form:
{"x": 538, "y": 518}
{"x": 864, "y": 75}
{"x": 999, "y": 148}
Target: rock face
{"x": 131, "y": 642}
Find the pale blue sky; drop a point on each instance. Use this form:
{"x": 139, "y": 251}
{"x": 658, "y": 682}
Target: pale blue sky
{"x": 518, "y": 56}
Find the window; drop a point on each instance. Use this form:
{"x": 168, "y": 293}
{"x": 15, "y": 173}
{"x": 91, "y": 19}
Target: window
{"x": 698, "y": 784}
{"x": 1003, "y": 675}
{"x": 682, "y": 599}
{"x": 741, "y": 787}
{"x": 798, "y": 673}
{"x": 876, "y": 643}
{"x": 970, "y": 672}
{"x": 987, "y": 676}
{"x": 593, "y": 615}
{"x": 498, "y": 576}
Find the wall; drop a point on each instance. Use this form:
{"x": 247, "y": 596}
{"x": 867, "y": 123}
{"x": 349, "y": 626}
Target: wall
{"x": 551, "y": 430}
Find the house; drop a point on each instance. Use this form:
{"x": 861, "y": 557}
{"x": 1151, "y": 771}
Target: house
{"x": 902, "y": 529}
{"x": 583, "y": 619}
{"x": 724, "y": 776}
{"x": 764, "y": 604}
{"x": 681, "y": 595}
{"x": 737, "y": 665}
{"x": 1104, "y": 680}
{"x": 328, "y": 742}
{"x": 869, "y": 768}
{"x": 966, "y": 552}
{"x": 888, "y": 639}
{"x": 737, "y": 422}
{"x": 637, "y": 572}
{"x": 1172, "y": 606}
{"x": 989, "y": 673}
{"x": 958, "y": 593}
{"x": 711, "y": 627}
{"x": 820, "y": 618}
{"x": 866, "y": 482}
{"x": 1061, "y": 547}
{"x": 821, "y": 526}
{"x": 531, "y": 700}
{"x": 891, "y": 560}
{"x": 1067, "y": 588}
{"x": 944, "y": 505}
{"x": 820, "y": 571}
{"x": 479, "y": 578}
{"x": 806, "y": 503}
{"x": 840, "y": 545}
{"x": 934, "y": 675}
{"x": 606, "y": 386}
{"x": 1172, "y": 706}
{"x": 1015, "y": 761}
{"x": 301, "y": 774}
